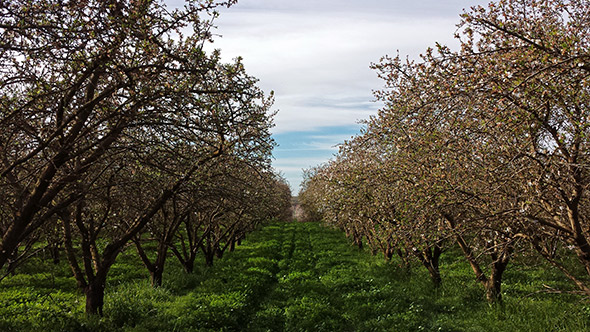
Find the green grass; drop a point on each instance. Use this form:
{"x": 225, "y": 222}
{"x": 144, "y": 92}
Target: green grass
{"x": 292, "y": 277}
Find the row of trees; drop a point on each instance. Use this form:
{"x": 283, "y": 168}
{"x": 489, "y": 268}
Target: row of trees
{"x": 486, "y": 147}
{"x": 117, "y": 128}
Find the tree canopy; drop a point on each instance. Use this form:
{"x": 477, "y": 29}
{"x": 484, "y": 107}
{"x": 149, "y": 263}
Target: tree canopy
{"x": 115, "y": 123}
{"x": 486, "y": 145}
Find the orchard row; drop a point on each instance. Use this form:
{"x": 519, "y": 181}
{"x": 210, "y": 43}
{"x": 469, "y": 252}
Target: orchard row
{"x": 118, "y": 129}
{"x": 486, "y": 148}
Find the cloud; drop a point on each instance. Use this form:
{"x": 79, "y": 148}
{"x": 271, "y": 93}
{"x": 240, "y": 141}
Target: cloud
{"x": 315, "y": 55}
{"x": 300, "y": 118}
{"x": 318, "y": 64}
{"x": 292, "y": 168}
{"x": 423, "y": 8}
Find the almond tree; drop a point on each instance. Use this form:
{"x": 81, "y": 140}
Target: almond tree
{"x": 224, "y": 114}
{"x": 530, "y": 59}
{"x": 75, "y": 76}
{"x": 447, "y": 165}
{"x": 523, "y": 69}
{"x": 510, "y": 106}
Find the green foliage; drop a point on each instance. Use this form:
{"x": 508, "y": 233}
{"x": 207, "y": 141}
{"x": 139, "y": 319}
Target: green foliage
{"x": 297, "y": 277}
{"x": 30, "y": 309}
{"x": 130, "y": 304}
{"x": 222, "y": 311}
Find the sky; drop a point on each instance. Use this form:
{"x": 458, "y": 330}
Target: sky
{"x": 315, "y": 55}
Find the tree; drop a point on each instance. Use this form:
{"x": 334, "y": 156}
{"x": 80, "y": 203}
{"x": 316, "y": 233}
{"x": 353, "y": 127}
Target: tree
{"x": 539, "y": 87}
{"x": 75, "y": 77}
{"x": 236, "y": 200}
{"x": 167, "y": 152}
{"x": 488, "y": 143}
{"x": 508, "y": 113}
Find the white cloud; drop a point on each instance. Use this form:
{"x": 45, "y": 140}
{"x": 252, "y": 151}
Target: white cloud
{"x": 321, "y": 58}
{"x": 305, "y": 118}
{"x": 315, "y": 55}
{"x": 292, "y": 168}
{"x": 424, "y": 8}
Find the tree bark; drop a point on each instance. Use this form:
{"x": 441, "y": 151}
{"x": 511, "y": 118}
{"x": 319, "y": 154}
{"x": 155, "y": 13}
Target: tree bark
{"x": 186, "y": 260}
{"x": 95, "y": 297}
{"x": 55, "y": 253}
{"x": 500, "y": 259}
{"x": 358, "y": 241}
{"x": 430, "y": 258}
{"x": 218, "y": 251}
{"x": 157, "y": 276}
{"x": 209, "y": 256}
{"x": 493, "y": 285}
{"x": 189, "y": 266}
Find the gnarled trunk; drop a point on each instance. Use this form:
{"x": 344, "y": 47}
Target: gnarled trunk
{"x": 209, "y": 256}
{"x": 189, "y": 266}
{"x": 156, "y": 269}
{"x": 95, "y": 297}
{"x": 500, "y": 256}
{"x": 430, "y": 258}
{"x": 493, "y": 284}
{"x": 156, "y": 276}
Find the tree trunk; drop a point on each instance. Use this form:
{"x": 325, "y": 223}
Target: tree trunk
{"x": 578, "y": 235}
{"x": 159, "y": 264}
{"x": 156, "y": 277}
{"x": 582, "y": 247}
{"x": 186, "y": 259}
{"x": 405, "y": 262}
{"x": 189, "y": 266}
{"x": 209, "y": 256}
{"x": 218, "y": 252}
{"x": 156, "y": 268}
{"x": 430, "y": 258}
{"x": 358, "y": 241}
{"x": 493, "y": 291}
{"x": 388, "y": 253}
{"x": 95, "y": 297}
{"x": 500, "y": 259}
{"x": 15, "y": 233}
{"x": 547, "y": 253}
{"x": 55, "y": 251}
{"x": 493, "y": 285}
{"x": 435, "y": 276}
{"x": 12, "y": 263}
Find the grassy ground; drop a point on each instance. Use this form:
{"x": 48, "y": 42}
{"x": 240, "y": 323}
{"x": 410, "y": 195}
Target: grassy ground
{"x": 291, "y": 277}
